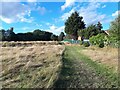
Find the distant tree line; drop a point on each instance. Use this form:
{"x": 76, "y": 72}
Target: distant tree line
{"x": 36, "y": 35}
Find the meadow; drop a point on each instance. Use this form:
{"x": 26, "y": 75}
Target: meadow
{"x": 30, "y": 64}
{"x": 43, "y": 64}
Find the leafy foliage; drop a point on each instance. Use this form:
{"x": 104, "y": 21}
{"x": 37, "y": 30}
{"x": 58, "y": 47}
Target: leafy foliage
{"x": 2, "y": 32}
{"x": 86, "y": 44}
{"x": 73, "y": 24}
{"x": 8, "y": 35}
{"x": 100, "y": 40}
{"x": 91, "y": 30}
{"x": 36, "y": 35}
{"x": 54, "y": 37}
{"x": 114, "y": 31}
{"x": 60, "y": 37}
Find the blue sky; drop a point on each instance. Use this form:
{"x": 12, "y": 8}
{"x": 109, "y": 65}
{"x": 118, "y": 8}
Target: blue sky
{"x": 51, "y": 16}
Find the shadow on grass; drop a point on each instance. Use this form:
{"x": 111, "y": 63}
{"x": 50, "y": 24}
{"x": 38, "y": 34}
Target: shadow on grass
{"x": 66, "y": 74}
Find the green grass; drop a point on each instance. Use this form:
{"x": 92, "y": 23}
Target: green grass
{"x": 72, "y": 65}
{"x": 99, "y": 68}
{"x": 66, "y": 70}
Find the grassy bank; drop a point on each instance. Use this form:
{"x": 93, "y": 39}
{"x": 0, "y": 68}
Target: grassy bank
{"x": 99, "y": 68}
{"x": 79, "y": 71}
{"x": 107, "y": 56}
{"x": 109, "y": 73}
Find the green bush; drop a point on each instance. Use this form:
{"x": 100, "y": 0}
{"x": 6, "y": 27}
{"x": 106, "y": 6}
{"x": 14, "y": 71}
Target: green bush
{"x": 86, "y": 44}
{"x": 101, "y": 44}
{"x": 113, "y": 41}
{"x": 114, "y": 32}
{"x": 81, "y": 43}
{"x": 100, "y": 40}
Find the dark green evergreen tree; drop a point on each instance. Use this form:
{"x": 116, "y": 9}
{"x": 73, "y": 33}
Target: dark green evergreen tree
{"x": 73, "y": 24}
{"x": 60, "y": 37}
{"x": 54, "y": 37}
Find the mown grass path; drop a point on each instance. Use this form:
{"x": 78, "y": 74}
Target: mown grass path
{"x": 80, "y": 72}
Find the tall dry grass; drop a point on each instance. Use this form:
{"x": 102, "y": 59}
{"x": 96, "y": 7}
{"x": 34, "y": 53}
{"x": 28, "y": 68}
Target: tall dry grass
{"x": 27, "y": 43}
{"x": 30, "y": 67}
{"x": 107, "y": 56}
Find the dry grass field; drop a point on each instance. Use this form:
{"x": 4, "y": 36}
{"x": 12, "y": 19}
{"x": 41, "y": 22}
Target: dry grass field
{"x": 39, "y": 64}
{"x": 31, "y": 66}
{"x": 27, "y": 43}
{"x": 107, "y": 56}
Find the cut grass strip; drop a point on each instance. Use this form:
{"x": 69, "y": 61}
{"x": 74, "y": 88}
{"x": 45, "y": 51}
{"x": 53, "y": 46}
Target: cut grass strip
{"x": 99, "y": 68}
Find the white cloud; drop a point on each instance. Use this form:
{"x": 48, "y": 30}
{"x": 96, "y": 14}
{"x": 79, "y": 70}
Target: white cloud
{"x": 89, "y": 13}
{"x": 26, "y": 28}
{"x": 1, "y": 27}
{"x": 38, "y": 25}
{"x": 31, "y": 0}
{"x": 66, "y": 15}
{"x": 48, "y": 24}
{"x": 7, "y": 20}
{"x": 116, "y": 13}
{"x": 18, "y": 0}
{"x": 68, "y": 3}
{"x": 56, "y": 30}
{"x": 58, "y": 0}
{"x": 12, "y": 12}
{"x": 53, "y": 27}
{"x": 41, "y": 10}
{"x": 9, "y": 0}
{"x": 103, "y": 6}
{"x": 98, "y": 0}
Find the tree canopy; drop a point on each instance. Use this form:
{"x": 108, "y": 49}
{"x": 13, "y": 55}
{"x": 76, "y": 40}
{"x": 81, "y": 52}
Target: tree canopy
{"x": 91, "y": 30}
{"x": 60, "y": 37}
{"x": 36, "y": 35}
{"x": 73, "y": 24}
{"x": 114, "y": 32}
{"x": 115, "y": 27}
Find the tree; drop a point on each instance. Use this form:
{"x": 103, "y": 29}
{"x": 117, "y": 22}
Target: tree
{"x": 91, "y": 30}
{"x": 47, "y": 36}
{"x": 36, "y": 35}
{"x": 54, "y": 37}
{"x": 10, "y": 35}
{"x": 114, "y": 32}
{"x": 73, "y": 24}
{"x": 99, "y": 26}
{"x": 99, "y": 40}
{"x": 2, "y": 33}
{"x": 60, "y": 37}
{"x": 114, "y": 27}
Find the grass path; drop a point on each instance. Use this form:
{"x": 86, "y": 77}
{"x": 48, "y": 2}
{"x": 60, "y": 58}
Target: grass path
{"x": 80, "y": 72}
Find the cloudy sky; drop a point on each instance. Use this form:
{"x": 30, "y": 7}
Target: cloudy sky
{"x": 26, "y": 16}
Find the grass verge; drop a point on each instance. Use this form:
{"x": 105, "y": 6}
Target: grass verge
{"x": 99, "y": 68}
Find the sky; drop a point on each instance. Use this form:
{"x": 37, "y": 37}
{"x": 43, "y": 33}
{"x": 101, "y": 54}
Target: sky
{"x": 50, "y": 15}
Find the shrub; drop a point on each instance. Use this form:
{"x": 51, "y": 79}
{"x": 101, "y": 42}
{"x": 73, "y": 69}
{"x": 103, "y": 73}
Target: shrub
{"x": 100, "y": 40}
{"x": 81, "y": 43}
{"x": 113, "y": 41}
{"x": 86, "y": 44}
{"x": 101, "y": 44}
